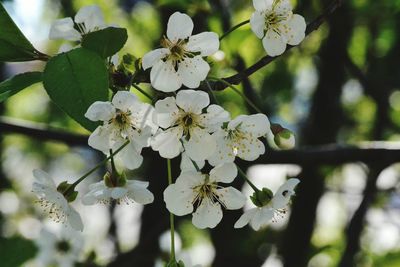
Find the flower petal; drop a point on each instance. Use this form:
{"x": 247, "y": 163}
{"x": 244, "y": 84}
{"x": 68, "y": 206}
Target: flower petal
{"x": 296, "y": 28}
{"x": 139, "y": 193}
{"x": 192, "y": 101}
{"x": 166, "y": 112}
{"x": 232, "y": 198}
{"x": 125, "y": 100}
{"x": 284, "y": 193}
{"x": 187, "y": 164}
{"x": 224, "y": 173}
{"x": 130, "y": 156}
{"x": 100, "y": 138}
{"x": 215, "y": 117}
{"x": 261, "y": 5}
{"x": 201, "y": 144}
{"x": 74, "y": 219}
{"x": 261, "y": 218}
{"x": 100, "y": 111}
{"x": 207, "y": 215}
{"x": 257, "y": 23}
{"x": 245, "y": 218}
{"x": 274, "y": 44}
{"x": 92, "y": 17}
{"x": 43, "y": 178}
{"x": 207, "y": 43}
{"x": 257, "y": 124}
{"x": 153, "y": 57}
{"x": 250, "y": 148}
{"x": 178, "y": 199}
{"x": 283, "y": 6}
{"x": 193, "y": 70}
{"x": 118, "y": 192}
{"x": 164, "y": 78}
{"x": 223, "y": 152}
{"x": 179, "y": 27}
{"x": 167, "y": 143}
{"x": 64, "y": 29}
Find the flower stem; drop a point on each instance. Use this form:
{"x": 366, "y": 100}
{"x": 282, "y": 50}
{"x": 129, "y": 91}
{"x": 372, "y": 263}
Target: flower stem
{"x": 238, "y": 92}
{"x": 234, "y": 28}
{"x": 143, "y": 92}
{"x": 101, "y": 163}
{"x": 244, "y": 176}
{"x": 171, "y": 216}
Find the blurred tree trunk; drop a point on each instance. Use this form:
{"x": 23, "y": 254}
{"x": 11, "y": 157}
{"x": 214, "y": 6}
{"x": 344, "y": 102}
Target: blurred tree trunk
{"x": 321, "y": 128}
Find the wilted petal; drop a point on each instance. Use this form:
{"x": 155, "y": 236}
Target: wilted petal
{"x": 207, "y": 43}
{"x": 167, "y": 143}
{"x": 193, "y": 70}
{"x": 274, "y": 44}
{"x": 224, "y": 173}
{"x": 245, "y": 218}
{"x": 64, "y": 29}
{"x": 153, "y": 57}
{"x": 192, "y": 101}
{"x": 164, "y": 78}
{"x": 232, "y": 198}
{"x": 180, "y": 26}
{"x": 257, "y": 23}
{"x": 207, "y": 215}
{"x": 100, "y": 111}
{"x": 179, "y": 200}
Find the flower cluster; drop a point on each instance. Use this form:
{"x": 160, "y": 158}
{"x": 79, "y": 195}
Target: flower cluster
{"x": 182, "y": 123}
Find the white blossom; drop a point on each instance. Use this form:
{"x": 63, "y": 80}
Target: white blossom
{"x": 125, "y": 118}
{"x": 274, "y": 23}
{"x": 261, "y": 216}
{"x": 62, "y": 250}
{"x": 180, "y": 60}
{"x": 53, "y": 202}
{"x": 184, "y": 125}
{"x": 200, "y": 194}
{"x": 88, "y": 19}
{"x": 240, "y": 139}
{"x": 131, "y": 191}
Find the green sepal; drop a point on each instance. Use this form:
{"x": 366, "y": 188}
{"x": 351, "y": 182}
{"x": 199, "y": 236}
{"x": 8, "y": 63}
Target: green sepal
{"x": 262, "y": 198}
{"x": 68, "y": 191}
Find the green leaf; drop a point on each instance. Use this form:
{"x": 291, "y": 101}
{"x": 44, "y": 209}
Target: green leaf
{"x": 15, "y": 251}
{"x": 105, "y": 42}
{"x": 76, "y": 79}
{"x": 17, "y": 83}
{"x": 13, "y": 44}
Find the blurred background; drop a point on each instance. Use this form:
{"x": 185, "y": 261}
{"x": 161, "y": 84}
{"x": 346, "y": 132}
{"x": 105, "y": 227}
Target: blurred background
{"x": 341, "y": 87}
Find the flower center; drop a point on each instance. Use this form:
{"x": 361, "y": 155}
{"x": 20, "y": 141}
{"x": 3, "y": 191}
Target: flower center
{"x": 122, "y": 119}
{"x": 55, "y": 211}
{"x": 188, "y": 121}
{"x": 63, "y": 246}
{"x": 272, "y": 21}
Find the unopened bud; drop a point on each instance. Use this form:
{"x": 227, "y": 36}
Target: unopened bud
{"x": 262, "y": 198}
{"x": 283, "y": 138}
{"x": 67, "y": 190}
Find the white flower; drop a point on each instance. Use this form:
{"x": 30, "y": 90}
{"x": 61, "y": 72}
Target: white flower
{"x": 125, "y": 118}
{"x": 132, "y": 191}
{"x": 53, "y": 202}
{"x": 88, "y": 19}
{"x": 183, "y": 121}
{"x": 188, "y": 165}
{"x": 180, "y": 61}
{"x": 202, "y": 190}
{"x": 261, "y": 216}
{"x": 62, "y": 250}
{"x": 274, "y": 23}
{"x": 240, "y": 138}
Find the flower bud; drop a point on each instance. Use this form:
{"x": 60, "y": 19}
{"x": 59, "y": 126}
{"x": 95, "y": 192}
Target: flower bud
{"x": 283, "y": 138}
{"x": 67, "y": 190}
{"x": 262, "y": 198}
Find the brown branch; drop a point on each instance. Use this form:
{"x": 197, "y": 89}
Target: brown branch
{"x": 312, "y": 26}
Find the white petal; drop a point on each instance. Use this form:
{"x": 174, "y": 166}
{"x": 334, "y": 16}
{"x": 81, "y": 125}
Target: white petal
{"x": 190, "y": 179}
{"x": 164, "y": 78}
{"x": 153, "y": 57}
{"x": 130, "y": 156}
{"x": 261, "y": 218}
{"x": 192, "y": 101}
{"x": 100, "y": 111}
{"x": 257, "y": 124}
{"x": 296, "y": 28}
{"x": 257, "y": 23}
{"x": 91, "y": 16}
{"x": 125, "y": 100}
{"x": 250, "y": 148}
{"x": 224, "y": 173}
{"x": 187, "y": 164}
{"x": 43, "y": 178}
{"x": 118, "y": 192}
{"x": 179, "y": 200}
{"x": 193, "y": 70}
{"x": 180, "y": 26}
{"x": 166, "y": 112}
{"x": 207, "y": 43}
{"x": 139, "y": 193}
{"x": 64, "y": 29}
{"x": 224, "y": 152}
{"x": 100, "y": 138}
{"x": 261, "y": 5}
{"x": 215, "y": 117}
{"x": 207, "y": 215}
{"x": 201, "y": 144}
{"x": 74, "y": 219}
{"x": 274, "y": 44}
{"x": 284, "y": 193}
{"x": 167, "y": 143}
{"x": 232, "y": 198}
{"x": 245, "y": 218}
{"x": 283, "y": 6}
